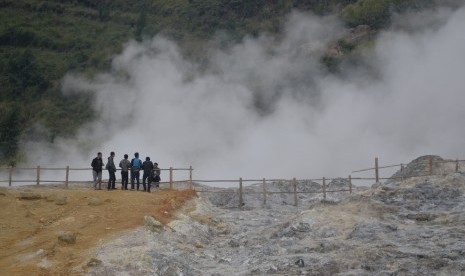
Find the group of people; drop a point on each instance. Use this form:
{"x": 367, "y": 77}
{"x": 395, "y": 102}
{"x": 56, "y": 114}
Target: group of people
{"x": 151, "y": 172}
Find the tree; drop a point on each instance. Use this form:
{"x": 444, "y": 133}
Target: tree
{"x": 375, "y": 13}
{"x": 140, "y": 24}
{"x": 25, "y": 77}
{"x": 10, "y": 130}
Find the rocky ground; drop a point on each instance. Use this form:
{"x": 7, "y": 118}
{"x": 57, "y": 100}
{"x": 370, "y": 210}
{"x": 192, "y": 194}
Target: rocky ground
{"x": 409, "y": 227}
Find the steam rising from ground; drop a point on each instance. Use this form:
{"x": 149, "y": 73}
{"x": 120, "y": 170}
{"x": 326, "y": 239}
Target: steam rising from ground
{"x": 266, "y": 107}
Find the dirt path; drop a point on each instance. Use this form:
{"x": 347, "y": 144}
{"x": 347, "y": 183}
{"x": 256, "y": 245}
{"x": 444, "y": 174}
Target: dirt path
{"x": 29, "y": 228}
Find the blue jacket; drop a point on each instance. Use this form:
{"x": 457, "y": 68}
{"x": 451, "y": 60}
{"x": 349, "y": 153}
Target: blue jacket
{"x": 136, "y": 164}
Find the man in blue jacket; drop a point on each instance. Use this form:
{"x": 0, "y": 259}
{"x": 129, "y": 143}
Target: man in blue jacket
{"x": 136, "y": 165}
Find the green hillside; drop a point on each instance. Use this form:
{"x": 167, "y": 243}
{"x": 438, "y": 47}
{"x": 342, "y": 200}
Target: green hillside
{"x": 40, "y": 41}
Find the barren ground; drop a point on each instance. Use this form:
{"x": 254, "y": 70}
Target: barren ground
{"x": 29, "y": 229}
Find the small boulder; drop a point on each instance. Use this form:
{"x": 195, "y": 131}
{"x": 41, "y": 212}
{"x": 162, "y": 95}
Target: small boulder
{"x": 29, "y": 196}
{"x": 50, "y": 198}
{"x": 95, "y": 201}
{"x": 153, "y": 225}
{"x": 199, "y": 245}
{"x": 300, "y": 263}
{"x": 94, "y": 262}
{"x": 60, "y": 200}
{"x": 224, "y": 260}
{"x": 420, "y": 217}
{"x": 67, "y": 237}
{"x": 233, "y": 243}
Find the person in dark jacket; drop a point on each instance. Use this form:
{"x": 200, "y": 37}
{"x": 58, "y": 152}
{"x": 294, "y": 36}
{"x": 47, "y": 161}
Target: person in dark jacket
{"x": 125, "y": 165}
{"x": 147, "y": 166}
{"x": 136, "y": 165}
{"x": 156, "y": 175}
{"x": 111, "y": 171}
{"x": 97, "y": 165}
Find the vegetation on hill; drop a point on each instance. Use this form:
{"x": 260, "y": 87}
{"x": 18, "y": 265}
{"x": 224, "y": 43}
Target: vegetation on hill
{"x": 40, "y": 41}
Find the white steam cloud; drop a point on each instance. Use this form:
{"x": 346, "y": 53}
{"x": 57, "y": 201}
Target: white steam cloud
{"x": 266, "y": 107}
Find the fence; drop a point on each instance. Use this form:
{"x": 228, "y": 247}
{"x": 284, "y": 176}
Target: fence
{"x": 265, "y": 193}
{"x": 67, "y": 170}
{"x": 324, "y": 189}
{"x": 430, "y": 163}
{"x": 38, "y": 171}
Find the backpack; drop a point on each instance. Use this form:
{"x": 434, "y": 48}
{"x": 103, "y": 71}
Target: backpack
{"x": 135, "y": 164}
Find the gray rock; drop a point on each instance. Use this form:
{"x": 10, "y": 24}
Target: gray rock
{"x": 171, "y": 265}
{"x": 300, "y": 262}
{"x": 153, "y": 225}
{"x": 224, "y": 260}
{"x": 421, "y": 217}
{"x": 328, "y": 246}
{"x": 417, "y": 167}
{"x": 407, "y": 228}
{"x": 233, "y": 243}
{"x": 371, "y": 230}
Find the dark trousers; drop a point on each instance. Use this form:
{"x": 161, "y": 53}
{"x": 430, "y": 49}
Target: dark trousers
{"x": 147, "y": 177}
{"x": 124, "y": 180}
{"x": 111, "y": 180}
{"x": 135, "y": 175}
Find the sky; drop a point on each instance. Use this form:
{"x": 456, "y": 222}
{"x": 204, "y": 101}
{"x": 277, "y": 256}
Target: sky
{"x": 266, "y": 107}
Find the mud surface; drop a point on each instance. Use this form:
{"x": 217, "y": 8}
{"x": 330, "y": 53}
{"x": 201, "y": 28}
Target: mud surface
{"x": 51, "y": 230}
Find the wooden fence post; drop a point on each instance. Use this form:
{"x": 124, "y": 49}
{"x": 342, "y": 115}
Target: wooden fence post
{"x": 67, "y": 176}
{"x": 350, "y": 183}
{"x": 240, "y": 193}
{"x": 376, "y": 170}
{"x": 456, "y": 165}
{"x": 190, "y": 177}
{"x": 431, "y": 165}
{"x": 294, "y": 182}
{"x": 171, "y": 177}
{"x": 38, "y": 175}
{"x": 324, "y": 187}
{"x": 10, "y": 175}
{"x": 264, "y": 191}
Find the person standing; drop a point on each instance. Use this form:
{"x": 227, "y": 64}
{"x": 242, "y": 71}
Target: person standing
{"x": 136, "y": 164}
{"x": 97, "y": 165}
{"x": 124, "y": 164}
{"x": 156, "y": 175}
{"x": 147, "y": 166}
{"x": 111, "y": 171}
